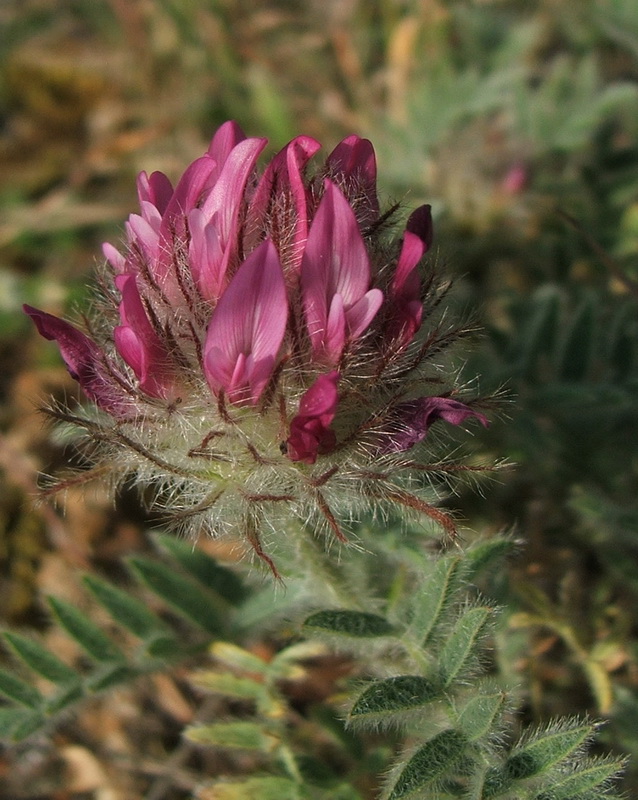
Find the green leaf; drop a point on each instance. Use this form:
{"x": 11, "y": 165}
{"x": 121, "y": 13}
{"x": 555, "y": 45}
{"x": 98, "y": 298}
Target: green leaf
{"x": 233, "y": 735}
{"x": 590, "y": 775}
{"x": 432, "y": 602}
{"x": 85, "y": 632}
{"x": 539, "y": 332}
{"x": 269, "y": 788}
{"x": 546, "y": 749}
{"x": 478, "y": 716}
{"x": 106, "y": 679}
{"x": 207, "y": 571}
{"x": 19, "y": 691}
{"x": 165, "y": 647}
{"x": 15, "y": 722}
{"x": 429, "y": 765}
{"x": 486, "y": 554}
{"x": 350, "y": 624}
{"x": 230, "y": 686}
{"x": 18, "y": 724}
{"x": 125, "y": 610}
{"x": 393, "y": 697}
{"x": 180, "y": 592}
{"x": 576, "y": 354}
{"x": 41, "y": 661}
{"x": 64, "y": 699}
{"x": 460, "y": 650}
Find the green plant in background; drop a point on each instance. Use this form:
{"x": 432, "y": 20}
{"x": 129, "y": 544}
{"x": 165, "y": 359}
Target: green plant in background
{"x": 269, "y": 364}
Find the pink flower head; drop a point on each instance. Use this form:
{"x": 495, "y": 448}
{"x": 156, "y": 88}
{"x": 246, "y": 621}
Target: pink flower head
{"x": 310, "y": 433}
{"x": 234, "y": 286}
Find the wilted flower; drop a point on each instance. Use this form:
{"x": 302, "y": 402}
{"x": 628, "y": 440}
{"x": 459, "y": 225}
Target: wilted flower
{"x": 259, "y": 348}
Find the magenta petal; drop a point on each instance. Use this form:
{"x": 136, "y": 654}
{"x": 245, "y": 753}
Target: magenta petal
{"x": 361, "y": 313}
{"x": 420, "y": 223}
{"x": 247, "y": 328}
{"x": 82, "y": 357}
{"x": 114, "y": 257}
{"x": 206, "y": 255}
{"x": 405, "y": 290}
{"x": 335, "y": 262}
{"x": 412, "y": 421}
{"x": 225, "y": 139}
{"x": 156, "y": 190}
{"x": 138, "y": 343}
{"x": 281, "y": 183}
{"x": 226, "y": 196}
{"x": 310, "y": 434}
{"x": 354, "y": 159}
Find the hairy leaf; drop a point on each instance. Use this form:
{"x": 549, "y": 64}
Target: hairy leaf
{"x": 460, "y": 650}
{"x": 429, "y": 765}
{"x": 478, "y": 716}
{"x": 392, "y": 697}
{"x": 433, "y": 601}
{"x": 349, "y": 624}
{"x": 547, "y": 748}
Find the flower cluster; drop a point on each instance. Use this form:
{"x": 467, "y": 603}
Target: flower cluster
{"x": 259, "y": 347}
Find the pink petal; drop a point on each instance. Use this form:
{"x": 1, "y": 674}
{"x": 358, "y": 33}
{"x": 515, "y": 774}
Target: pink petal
{"x": 114, "y": 257}
{"x": 354, "y": 159}
{"x": 405, "y": 290}
{"x": 360, "y": 314}
{"x": 206, "y": 255}
{"x": 225, "y": 139}
{"x": 83, "y": 358}
{"x": 138, "y": 343}
{"x": 188, "y": 193}
{"x": 412, "y": 421}
{"x": 281, "y": 183}
{"x": 310, "y": 434}
{"x": 156, "y": 190}
{"x": 335, "y": 262}
{"x": 247, "y": 328}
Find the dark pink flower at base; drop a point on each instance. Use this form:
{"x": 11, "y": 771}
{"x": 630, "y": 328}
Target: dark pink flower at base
{"x": 414, "y": 418}
{"x": 310, "y": 434}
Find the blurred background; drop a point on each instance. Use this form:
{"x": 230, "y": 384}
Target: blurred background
{"x": 516, "y": 119}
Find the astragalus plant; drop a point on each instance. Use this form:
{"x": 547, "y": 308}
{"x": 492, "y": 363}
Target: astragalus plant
{"x": 266, "y": 357}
